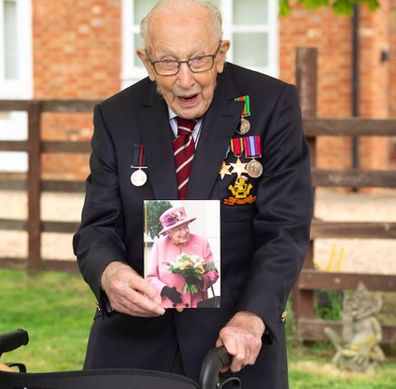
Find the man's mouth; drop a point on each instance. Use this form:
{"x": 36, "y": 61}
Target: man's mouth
{"x": 188, "y": 99}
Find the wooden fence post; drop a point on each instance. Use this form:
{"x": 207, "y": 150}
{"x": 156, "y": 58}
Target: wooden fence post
{"x": 34, "y": 187}
{"x": 306, "y": 79}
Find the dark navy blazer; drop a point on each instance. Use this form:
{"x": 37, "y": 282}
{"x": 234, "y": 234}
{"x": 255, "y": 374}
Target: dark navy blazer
{"x": 263, "y": 243}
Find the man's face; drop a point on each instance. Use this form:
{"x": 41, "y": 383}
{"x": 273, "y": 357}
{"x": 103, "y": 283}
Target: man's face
{"x": 180, "y": 236}
{"x": 182, "y": 37}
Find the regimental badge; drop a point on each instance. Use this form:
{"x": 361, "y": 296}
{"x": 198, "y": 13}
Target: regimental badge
{"x": 240, "y": 191}
{"x": 138, "y": 177}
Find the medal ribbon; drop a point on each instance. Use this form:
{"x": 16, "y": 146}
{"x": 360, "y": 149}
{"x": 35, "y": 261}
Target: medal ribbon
{"x": 246, "y": 107}
{"x": 138, "y": 155}
{"x": 252, "y": 146}
{"x": 236, "y": 145}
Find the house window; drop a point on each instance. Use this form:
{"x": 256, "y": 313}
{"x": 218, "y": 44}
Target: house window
{"x": 250, "y": 25}
{"x": 15, "y": 49}
{"x": 15, "y": 76}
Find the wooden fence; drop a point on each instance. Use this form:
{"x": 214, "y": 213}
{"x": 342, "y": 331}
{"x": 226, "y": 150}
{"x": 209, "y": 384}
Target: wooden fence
{"x": 35, "y": 185}
{"x": 309, "y": 327}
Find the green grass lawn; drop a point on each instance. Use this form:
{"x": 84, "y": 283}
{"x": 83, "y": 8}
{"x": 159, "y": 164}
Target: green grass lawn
{"x": 56, "y": 309}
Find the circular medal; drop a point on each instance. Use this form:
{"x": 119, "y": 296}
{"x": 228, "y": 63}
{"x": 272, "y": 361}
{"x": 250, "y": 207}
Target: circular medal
{"x": 244, "y": 127}
{"x": 254, "y": 168}
{"x": 138, "y": 177}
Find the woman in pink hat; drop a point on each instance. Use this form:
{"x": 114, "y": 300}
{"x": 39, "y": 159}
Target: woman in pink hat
{"x": 176, "y": 240}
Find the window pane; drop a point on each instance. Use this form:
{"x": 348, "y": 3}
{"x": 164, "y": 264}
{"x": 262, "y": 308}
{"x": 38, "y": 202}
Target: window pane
{"x": 141, "y": 8}
{"x": 250, "y": 11}
{"x": 10, "y": 40}
{"x": 138, "y": 41}
{"x": 251, "y": 49}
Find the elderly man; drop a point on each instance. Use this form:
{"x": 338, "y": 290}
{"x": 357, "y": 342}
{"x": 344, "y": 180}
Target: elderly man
{"x": 196, "y": 128}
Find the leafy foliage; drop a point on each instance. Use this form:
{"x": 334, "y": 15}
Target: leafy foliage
{"x": 328, "y": 304}
{"x": 154, "y": 209}
{"x": 340, "y": 7}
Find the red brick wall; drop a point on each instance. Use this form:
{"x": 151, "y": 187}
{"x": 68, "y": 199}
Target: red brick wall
{"x": 331, "y": 35}
{"x": 374, "y": 82}
{"x": 392, "y": 59}
{"x": 76, "y": 48}
{"x": 77, "y": 55}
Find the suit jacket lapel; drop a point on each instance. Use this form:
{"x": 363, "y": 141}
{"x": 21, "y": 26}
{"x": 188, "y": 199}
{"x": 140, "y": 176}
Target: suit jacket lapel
{"x": 155, "y": 131}
{"x": 220, "y": 123}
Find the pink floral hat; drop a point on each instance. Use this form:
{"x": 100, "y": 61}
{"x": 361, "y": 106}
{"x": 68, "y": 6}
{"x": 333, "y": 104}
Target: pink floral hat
{"x": 174, "y": 217}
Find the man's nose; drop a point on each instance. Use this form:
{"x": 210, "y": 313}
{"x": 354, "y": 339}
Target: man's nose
{"x": 185, "y": 75}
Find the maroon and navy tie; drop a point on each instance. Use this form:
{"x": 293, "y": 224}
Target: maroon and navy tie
{"x": 183, "y": 152}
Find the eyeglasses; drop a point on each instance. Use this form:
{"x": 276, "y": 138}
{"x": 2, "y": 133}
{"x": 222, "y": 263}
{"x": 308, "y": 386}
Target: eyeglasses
{"x": 199, "y": 64}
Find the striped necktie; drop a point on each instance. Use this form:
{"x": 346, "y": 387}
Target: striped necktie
{"x": 183, "y": 152}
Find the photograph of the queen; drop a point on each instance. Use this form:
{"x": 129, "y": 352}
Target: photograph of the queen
{"x": 181, "y": 264}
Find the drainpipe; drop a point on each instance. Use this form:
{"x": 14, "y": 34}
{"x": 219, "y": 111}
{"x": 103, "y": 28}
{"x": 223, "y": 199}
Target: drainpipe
{"x": 355, "y": 96}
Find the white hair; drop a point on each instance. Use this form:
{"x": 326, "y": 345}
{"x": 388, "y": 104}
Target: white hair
{"x": 172, "y": 6}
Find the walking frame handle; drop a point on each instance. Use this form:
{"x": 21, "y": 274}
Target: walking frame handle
{"x": 215, "y": 359}
{"x": 12, "y": 340}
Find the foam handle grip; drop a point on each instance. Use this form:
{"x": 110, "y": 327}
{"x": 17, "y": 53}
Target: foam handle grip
{"x": 12, "y": 340}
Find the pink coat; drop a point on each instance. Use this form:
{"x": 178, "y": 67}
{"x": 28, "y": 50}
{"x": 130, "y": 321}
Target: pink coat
{"x": 164, "y": 251}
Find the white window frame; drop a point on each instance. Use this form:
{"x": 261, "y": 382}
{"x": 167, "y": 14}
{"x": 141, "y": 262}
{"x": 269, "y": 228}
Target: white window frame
{"x": 22, "y": 87}
{"x": 130, "y": 73}
{"x": 13, "y": 125}
{"x": 271, "y": 28}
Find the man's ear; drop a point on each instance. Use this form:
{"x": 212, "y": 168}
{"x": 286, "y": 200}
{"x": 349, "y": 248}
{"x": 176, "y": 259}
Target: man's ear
{"x": 221, "y": 56}
{"x": 141, "y": 53}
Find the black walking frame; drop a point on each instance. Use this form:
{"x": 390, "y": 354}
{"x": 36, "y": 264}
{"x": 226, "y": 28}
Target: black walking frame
{"x": 111, "y": 378}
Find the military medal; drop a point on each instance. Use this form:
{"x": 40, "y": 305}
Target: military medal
{"x": 237, "y": 148}
{"x": 254, "y": 168}
{"x": 252, "y": 148}
{"x": 138, "y": 177}
{"x": 225, "y": 170}
{"x": 244, "y": 126}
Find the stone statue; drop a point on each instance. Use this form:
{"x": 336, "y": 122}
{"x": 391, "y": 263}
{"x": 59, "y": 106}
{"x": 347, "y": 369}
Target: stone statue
{"x": 358, "y": 349}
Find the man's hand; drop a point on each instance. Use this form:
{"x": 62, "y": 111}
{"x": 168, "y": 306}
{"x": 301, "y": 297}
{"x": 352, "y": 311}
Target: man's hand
{"x": 130, "y": 293}
{"x": 242, "y": 339}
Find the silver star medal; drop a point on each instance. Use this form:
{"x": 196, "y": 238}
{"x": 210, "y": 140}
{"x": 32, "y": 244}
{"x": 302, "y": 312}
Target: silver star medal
{"x": 238, "y": 168}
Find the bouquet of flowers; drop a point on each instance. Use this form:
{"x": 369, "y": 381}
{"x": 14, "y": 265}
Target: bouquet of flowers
{"x": 192, "y": 268}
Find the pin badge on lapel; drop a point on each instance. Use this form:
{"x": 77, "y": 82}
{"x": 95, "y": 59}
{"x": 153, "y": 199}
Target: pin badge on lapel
{"x": 139, "y": 176}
